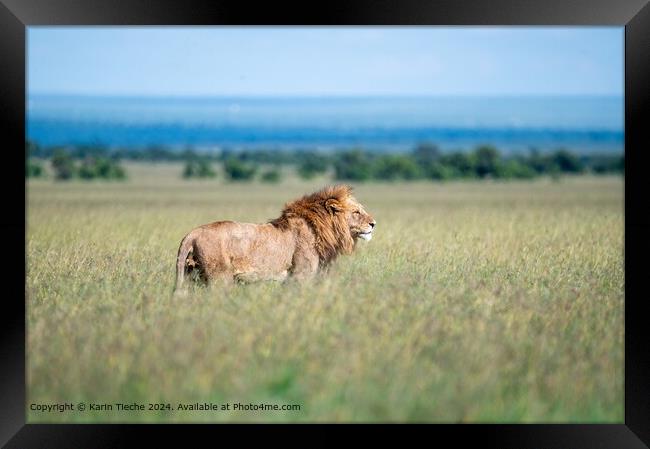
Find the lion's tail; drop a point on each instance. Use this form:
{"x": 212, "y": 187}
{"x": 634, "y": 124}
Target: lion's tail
{"x": 185, "y": 248}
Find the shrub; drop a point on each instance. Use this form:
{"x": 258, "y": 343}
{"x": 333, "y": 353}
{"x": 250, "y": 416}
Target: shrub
{"x": 33, "y": 169}
{"x": 198, "y": 168}
{"x": 602, "y": 164}
{"x": 540, "y": 164}
{"x": 311, "y": 165}
{"x": 189, "y": 170}
{"x": 239, "y": 171}
{"x": 391, "y": 167}
{"x": 438, "y": 171}
{"x": 486, "y": 160}
{"x": 353, "y": 165}
{"x": 205, "y": 170}
{"x": 109, "y": 169}
{"x": 461, "y": 164}
{"x": 271, "y": 176}
{"x": 101, "y": 167}
{"x": 566, "y": 161}
{"x": 514, "y": 168}
{"x": 87, "y": 170}
{"x": 63, "y": 165}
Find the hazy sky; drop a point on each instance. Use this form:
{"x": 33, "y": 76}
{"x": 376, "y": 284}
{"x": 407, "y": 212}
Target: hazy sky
{"x": 326, "y": 60}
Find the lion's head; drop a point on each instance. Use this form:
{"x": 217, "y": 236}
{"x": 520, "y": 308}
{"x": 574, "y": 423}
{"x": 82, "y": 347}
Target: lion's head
{"x": 336, "y": 218}
{"x": 361, "y": 223}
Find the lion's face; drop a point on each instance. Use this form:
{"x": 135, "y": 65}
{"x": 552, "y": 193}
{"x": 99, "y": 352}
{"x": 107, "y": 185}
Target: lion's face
{"x": 361, "y": 223}
{"x": 335, "y": 217}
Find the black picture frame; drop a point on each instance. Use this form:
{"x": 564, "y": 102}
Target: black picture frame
{"x": 634, "y": 15}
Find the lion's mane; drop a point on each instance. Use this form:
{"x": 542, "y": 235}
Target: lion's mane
{"x": 324, "y": 212}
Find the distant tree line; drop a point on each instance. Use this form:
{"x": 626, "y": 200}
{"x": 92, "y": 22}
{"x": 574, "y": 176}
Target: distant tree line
{"x": 425, "y": 161}
{"x": 90, "y": 165}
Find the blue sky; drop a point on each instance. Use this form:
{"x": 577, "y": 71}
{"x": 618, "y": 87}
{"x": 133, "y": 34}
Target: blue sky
{"x": 322, "y": 61}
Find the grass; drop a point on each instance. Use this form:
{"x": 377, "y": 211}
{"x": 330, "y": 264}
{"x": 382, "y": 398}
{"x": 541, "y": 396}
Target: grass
{"x": 474, "y": 302}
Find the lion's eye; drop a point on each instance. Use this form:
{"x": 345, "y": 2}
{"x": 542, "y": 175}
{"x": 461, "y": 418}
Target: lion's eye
{"x": 356, "y": 212}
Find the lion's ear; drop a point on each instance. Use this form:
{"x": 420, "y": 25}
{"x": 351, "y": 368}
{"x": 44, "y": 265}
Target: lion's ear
{"x": 333, "y": 205}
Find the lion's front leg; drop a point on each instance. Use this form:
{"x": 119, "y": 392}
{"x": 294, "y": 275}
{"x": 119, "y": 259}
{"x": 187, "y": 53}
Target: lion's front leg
{"x": 305, "y": 265}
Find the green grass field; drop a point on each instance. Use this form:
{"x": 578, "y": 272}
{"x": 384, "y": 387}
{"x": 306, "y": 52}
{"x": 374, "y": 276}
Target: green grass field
{"x": 474, "y": 302}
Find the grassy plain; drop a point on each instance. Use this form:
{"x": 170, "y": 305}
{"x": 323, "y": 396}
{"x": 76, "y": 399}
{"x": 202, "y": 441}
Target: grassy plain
{"x": 474, "y": 302}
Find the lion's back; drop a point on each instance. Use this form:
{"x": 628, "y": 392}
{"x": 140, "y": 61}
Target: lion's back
{"x": 241, "y": 247}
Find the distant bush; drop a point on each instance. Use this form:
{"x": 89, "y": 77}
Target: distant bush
{"x": 539, "y": 163}
{"x": 33, "y": 169}
{"x": 392, "y": 167}
{"x": 438, "y": 171}
{"x": 604, "y": 164}
{"x": 63, "y": 165}
{"x": 428, "y": 158}
{"x": 312, "y": 164}
{"x": 514, "y": 168}
{"x": 486, "y": 160}
{"x": 461, "y": 165}
{"x": 566, "y": 162}
{"x": 110, "y": 169}
{"x": 198, "y": 168}
{"x": 271, "y": 176}
{"x": 91, "y": 167}
{"x": 353, "y": 165}
{"x": 87, "y": 169}
{"x": 239, "y": 171}
{"x": 101, "y": 168}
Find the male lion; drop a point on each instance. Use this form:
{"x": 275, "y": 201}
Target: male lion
{"x": 311, "y": 232}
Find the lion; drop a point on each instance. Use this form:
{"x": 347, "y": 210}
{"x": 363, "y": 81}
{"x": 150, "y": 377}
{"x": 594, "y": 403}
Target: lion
{"x": 308, "y": 236}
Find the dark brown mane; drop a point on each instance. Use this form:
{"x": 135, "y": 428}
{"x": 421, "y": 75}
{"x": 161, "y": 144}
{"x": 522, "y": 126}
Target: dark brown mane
{"x": 324, "y": 211}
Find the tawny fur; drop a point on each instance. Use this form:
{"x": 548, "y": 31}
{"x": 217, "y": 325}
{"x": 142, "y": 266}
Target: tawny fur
{"x": 309, "y": 234}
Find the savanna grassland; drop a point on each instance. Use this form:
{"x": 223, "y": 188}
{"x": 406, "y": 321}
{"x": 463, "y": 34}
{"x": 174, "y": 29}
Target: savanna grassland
{"x": 475, "y": 302}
